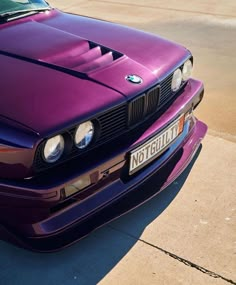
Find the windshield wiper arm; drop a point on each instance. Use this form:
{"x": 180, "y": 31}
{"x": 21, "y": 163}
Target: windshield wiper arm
{"x": 16, "y": 13}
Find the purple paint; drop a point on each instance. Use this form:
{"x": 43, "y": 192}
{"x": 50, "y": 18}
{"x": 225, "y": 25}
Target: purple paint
{"x": 59, "y": 70}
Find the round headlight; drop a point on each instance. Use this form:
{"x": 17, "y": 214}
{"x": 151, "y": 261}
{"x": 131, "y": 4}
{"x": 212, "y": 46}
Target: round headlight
{"x": 176, "y": 80}
{"x": 84, "y": 135}
{"x": 187, "y": 70}
{"x": 53, "y": 149}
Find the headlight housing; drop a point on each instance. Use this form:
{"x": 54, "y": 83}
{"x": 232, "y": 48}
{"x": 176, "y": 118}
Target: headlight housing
{"x": 53, "y": 149}
{"x": 187, "y": 70}
{"x": 176, "y": 80}
{"x": 84, "y": 134}
{"x": 180, "y": 76}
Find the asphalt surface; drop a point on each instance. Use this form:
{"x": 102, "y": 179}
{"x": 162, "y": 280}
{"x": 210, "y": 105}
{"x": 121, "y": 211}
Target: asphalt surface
{"x": 187, "y": 234}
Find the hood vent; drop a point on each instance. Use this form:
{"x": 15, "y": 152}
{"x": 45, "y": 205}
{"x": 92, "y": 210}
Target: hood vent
{"x": 86, "y": 58}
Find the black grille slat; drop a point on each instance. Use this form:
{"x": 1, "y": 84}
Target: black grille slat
{"x": 136, "y": 111}
{"x": 116, "y": 113}
{"x": 152, "y": 100}
{"x": 165, "y": 90}
{"x": 108, "y": 134}
{"x": 112, "y": 122}
{"x": 110, "y": 131}
{"x": 118, "y": 121}
{"x": 106, "y": 120}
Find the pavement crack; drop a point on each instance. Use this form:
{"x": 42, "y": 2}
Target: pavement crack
{"x": 180, "y": 259}
{"x": 189, "y": 263}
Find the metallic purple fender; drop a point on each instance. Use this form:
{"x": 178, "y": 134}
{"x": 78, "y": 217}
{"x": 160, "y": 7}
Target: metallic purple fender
{"x": 61, "y": 70}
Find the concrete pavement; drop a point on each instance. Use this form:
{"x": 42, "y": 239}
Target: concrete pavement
{"x": 187, "y": 234}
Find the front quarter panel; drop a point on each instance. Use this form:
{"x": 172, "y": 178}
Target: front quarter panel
{"x": 17, "y": 147}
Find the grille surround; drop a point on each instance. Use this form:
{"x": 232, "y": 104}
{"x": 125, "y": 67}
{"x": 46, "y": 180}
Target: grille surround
{"x": 155, "y": 99}
{"x": 114, "y": 122}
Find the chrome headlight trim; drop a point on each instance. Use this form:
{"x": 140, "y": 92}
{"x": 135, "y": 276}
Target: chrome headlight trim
{"x": 187, "y": 70}
{"x": 53, "y": 149}
{"x": 84, "y": 134}
{"x": 176, "y": 80}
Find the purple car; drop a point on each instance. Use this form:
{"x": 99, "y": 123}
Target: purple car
{"x": 92, "y": 113}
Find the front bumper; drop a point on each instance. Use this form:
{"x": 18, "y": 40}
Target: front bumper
{"x": 52, "y": 227}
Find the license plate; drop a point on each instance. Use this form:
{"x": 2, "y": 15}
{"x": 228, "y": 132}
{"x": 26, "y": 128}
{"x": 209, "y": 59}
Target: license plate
{"x": 154, "y": 147}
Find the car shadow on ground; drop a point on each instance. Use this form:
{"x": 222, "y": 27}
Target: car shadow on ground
{"x": 91, "y": 259}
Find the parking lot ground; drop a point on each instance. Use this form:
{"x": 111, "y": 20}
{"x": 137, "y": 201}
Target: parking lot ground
{"x": 186, "y": 234}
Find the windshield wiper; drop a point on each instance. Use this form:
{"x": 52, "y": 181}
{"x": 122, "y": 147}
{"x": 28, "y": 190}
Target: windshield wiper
{"x": 6, "y": 16}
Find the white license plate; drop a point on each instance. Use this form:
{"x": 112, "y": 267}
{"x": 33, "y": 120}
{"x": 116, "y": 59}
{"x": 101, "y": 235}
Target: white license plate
{"x": 154, "y": 147}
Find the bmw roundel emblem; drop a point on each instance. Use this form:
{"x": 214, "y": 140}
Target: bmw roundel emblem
{"x": 135, "y": 79}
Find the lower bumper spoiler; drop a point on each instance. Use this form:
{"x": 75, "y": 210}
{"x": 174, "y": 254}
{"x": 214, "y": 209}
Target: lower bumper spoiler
{"x": 119, "y": 206}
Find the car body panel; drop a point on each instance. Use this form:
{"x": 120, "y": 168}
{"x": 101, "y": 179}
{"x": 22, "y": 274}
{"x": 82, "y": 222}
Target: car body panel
{"x": 45, "y": 39}
{"x": 61, "y": 70}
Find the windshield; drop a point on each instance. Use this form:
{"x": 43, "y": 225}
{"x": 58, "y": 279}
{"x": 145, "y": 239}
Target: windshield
{"x": 11, "y": 6}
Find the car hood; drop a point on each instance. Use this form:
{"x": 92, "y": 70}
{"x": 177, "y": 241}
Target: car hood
{"x": 61, "y": 68}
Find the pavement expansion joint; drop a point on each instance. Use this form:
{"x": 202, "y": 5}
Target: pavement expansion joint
{"x": 180, "y": 259}
{"x": 222, "y": 135}
{"x": 164, "y": 8}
